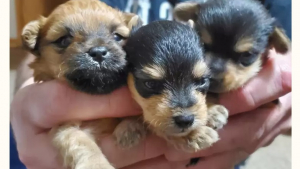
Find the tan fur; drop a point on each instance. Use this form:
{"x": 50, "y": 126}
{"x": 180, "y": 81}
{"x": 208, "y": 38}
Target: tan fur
{"x": 200, "y": 69}
{"x": 185, "y": 11}
{"x": 280, "y": 41}
{"x": 237, "y": 75}
{"x": 191, "y": 23}
{"x": 205, "y": 36}
{"x": 130, "y": 132}
{"x": 51, "y": 65}
{"x": 77, "y": 144}
{"x": 158, "y": 114}
{"x": 200, "y": 138}
{"x": 243, "y": 45}
{"x": 154, "y": 71}
{"x": 76, "y": 141}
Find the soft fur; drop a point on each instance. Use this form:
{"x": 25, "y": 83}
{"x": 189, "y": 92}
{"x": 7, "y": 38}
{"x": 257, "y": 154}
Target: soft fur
{"x": 81, "y": 43}
{"x": 236, "y": 36}
{"x": 169, "y": 79}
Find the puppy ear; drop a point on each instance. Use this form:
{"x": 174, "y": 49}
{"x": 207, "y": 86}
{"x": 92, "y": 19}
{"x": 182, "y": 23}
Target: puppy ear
{"x": 189, "y": 23}
{"x": 279, "y": 40}
{"x": 133, "y": 21}
{"x": 185, "y": 11}
{"x": 30, "y": 34}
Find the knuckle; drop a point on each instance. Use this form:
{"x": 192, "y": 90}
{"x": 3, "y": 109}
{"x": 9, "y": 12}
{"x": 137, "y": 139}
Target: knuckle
{"x": 245, "y": 94}
{"x": 58, "y": 99}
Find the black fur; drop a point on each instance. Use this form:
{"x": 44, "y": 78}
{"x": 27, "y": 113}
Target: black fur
{"x": 175, "y": 48}
{"x": 227, "y": 21}
{"x": 94, "y": 74}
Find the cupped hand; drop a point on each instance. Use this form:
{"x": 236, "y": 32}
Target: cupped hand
{"x": 37, "y": 108}
{"x": 251, "y": 125}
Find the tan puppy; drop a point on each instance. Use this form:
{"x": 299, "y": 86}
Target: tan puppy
{"x": 81, "y": 43}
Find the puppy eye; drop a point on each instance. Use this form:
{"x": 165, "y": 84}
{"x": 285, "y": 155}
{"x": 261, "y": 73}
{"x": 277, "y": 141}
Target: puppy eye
{"x": 246, "y": 58}
{"x": 151, "y": 84}
{"x": 118, "y": 37}
{"x": 202, "y": 83}
{"x": 246, "y": 54}
{"x": 64, "y": 41}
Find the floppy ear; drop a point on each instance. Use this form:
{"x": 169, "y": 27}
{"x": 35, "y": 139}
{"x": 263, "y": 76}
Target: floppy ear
{"x": 30, "y": 35}
{"x": 133, "y": 21}
{"x": 185, "y": 11}
{"x": 279, "y": 40}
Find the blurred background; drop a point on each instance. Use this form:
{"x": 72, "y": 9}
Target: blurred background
{"x": 276, "y": 156}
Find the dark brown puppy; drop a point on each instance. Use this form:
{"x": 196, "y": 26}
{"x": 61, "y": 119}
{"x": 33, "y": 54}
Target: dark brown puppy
{"x": 81, "y": 43}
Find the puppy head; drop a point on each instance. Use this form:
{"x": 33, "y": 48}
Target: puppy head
{"x": 168, "y": 76}
{"x": 236, "y": 35}
{"x": 81, "y": 42}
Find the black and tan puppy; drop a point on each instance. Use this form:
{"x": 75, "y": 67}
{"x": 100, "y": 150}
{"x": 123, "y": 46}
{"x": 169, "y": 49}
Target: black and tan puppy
{"x": 169, "y": 79}
{"x": 236, "y": 35}
{"x": 81, "y": 43}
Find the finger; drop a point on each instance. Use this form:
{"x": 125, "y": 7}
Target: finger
{"x": 54, "y": 102}
{"x": 151, "y": 147}
{"x": 32, "y": 146}
{"x": 226, "y": 160}
{"x": 158, "y": 163}
{"x": 242, "y": 131}
{"x": 272, "y": 82}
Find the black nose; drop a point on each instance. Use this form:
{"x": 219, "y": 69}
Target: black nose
{"x": 98, "y": 52}
{"x": 184, "y": 121}
{"x": 217, "y": 65}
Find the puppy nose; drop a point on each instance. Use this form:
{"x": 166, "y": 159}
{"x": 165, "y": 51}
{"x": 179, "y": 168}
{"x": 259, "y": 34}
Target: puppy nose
{"x": 217, "y": 66}
{"x": 98, "y": 52}
{"x": 184, "y": 121}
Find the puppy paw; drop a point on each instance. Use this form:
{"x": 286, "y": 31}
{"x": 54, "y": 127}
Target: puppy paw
{"x": 217, "y": 116}
{"x": 129, "y": 133}
{"x": 197, "y": 140}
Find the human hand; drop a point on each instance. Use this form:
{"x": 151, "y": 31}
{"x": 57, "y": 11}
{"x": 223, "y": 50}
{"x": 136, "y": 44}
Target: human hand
{"x": 39, "y": 107}
{"x": 245, "y": 132}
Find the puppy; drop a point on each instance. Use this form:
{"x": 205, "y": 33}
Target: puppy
{"x": 236, "y": 36}
{"x": 169, "y": 79}
{"x": 81, "y": 43}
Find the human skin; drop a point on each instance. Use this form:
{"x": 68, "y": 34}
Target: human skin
{"x": 38, "y": 107}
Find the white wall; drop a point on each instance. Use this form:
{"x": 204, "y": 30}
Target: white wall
{"x": 13, "y": 22}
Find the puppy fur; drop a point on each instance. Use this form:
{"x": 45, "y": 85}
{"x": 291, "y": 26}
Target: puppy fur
{"x": 236, "y": 36}
{"x": 81, "y": 43}
{"x": 169, "y": 79}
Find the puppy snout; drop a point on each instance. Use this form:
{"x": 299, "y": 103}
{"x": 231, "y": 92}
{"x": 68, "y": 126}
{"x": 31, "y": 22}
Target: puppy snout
{"x": 217, "y": 65}
{"x": 184, "y": 121}
{"x": 98, "y": 52}
{"x": 183, "y": 100}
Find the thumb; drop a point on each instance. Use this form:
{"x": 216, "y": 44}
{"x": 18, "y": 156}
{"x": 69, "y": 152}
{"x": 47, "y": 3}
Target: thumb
{"x": 53, "y": 102}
